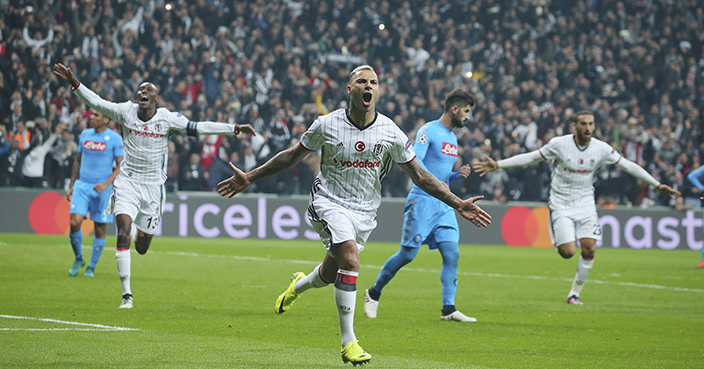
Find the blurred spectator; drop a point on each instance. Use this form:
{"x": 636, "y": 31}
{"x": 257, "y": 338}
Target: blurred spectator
{"x": 637, "y": 64}
{"x": 193, "y": 175}
{"x": 33, "y": 166}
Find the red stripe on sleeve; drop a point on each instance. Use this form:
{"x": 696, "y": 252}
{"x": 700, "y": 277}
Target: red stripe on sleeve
{"x": 409, "y": 162}
{"x": 305, "y": 148}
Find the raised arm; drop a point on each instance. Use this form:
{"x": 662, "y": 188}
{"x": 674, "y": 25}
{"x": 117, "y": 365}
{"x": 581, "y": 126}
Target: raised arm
{"x": 89, "y": 97}
{"x": 640, "y": 173}
{"x": 694, "y": 176}
{"x": 432, "y": 186}
{"x": 241, "y": 180}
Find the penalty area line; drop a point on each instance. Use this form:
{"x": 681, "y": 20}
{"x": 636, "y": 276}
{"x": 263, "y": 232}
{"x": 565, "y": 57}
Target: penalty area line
{"x": 93, "y": 327}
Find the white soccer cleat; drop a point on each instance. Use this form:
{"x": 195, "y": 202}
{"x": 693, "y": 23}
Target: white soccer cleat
{"x": 126, "y": 301}
{"x": 458, "y": 317}
{"x": 370, "y": 305}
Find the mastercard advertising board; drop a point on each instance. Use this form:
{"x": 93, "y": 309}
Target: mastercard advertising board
{"x": 207, "y": 215}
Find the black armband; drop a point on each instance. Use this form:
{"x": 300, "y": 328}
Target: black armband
{"x": 192, "y": 128}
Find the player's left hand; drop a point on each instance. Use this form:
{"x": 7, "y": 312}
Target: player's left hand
{"x": 100, "y": 187}
{"x": 668, "y": 190}
{"x": 465, "y": 171}
{"x": 246, "y": 128}
{"x": 235, "y": 184}
{"x": 472, "y": 212}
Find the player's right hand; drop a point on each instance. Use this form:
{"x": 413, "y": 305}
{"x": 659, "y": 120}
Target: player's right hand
{"x": 484, "y": 167}
{"x": 65, "y": 73}
{"x": 472, "y": 212}
{"x": 69, "y": 194}
{"x": 235, "y": 184}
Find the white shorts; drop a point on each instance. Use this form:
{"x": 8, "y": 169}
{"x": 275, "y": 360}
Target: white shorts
{"x": 336, "y": 224}
{"x": 571, "y": 226}
{"x": 143, "y": 203}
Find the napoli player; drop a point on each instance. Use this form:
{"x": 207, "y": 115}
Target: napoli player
{"x": 139, "y": 193}
{"x": 695, "y": 177}
{"x": 576, "y": 159}
{"x": 428, "y": 220}
{"x": 91, "y": 187}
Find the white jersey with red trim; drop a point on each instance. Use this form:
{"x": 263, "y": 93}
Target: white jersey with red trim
{"x": 573, "y": 170}
{"x": 353, "y": 160}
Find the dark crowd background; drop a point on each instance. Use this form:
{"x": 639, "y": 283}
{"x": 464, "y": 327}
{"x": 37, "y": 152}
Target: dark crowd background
{"x": 277, "y": 65}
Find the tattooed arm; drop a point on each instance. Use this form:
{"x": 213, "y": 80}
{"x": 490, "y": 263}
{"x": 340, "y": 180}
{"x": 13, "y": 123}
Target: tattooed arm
{"x": 433, "y": 187}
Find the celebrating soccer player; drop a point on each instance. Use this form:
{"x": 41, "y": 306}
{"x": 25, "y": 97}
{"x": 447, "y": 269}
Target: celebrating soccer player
{"x": 358, "y": 147}
{"x": 139, "y": 187}
{"x": 576, "y": 158}
{"x": 91, "y": 187}
{"x": 427, "y": 220}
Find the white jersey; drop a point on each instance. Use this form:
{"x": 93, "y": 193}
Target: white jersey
{"x": 146, "y": 143}
{"x": 573, "y": 170}
{"x": 353, "y": 160}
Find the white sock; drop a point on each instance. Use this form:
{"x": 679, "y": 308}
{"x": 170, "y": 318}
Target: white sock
{"x": 345, "y": 300}
{"x": 312, "y": 280}
{"x": 583, "y": 267}
{"x": 124, "y": 262}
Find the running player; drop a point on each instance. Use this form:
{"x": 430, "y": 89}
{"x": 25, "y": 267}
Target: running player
{"x": 139, "y": 187}
{"x": 358, "y": 147}
{"x": 576, "y": 158}
{"x": 695, "y": 177}
{"x": 427, "y": 220}
{"x": 91, "y": 186}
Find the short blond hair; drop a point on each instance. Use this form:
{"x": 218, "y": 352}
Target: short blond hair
{"x": 361, "y": 68}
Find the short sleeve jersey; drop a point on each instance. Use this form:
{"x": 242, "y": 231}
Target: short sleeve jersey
{"x": 436, "y": 148}
{"x": 98, "y": 152}
{"x": 353, "y": 160}
{"x": 573, "y": 170}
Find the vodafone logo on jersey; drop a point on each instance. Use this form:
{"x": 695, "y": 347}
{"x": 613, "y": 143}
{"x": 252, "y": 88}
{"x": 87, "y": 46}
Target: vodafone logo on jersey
{"x": 356, "y": 163}
{"x": 94, "y": 146}
{"x": 449, "y": 149}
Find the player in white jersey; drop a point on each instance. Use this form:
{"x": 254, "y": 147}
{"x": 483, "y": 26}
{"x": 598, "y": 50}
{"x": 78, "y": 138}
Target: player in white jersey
{"x": 576, "y": 159}
{"x": 139, "y": 187}
{"x": 358, "y": 147}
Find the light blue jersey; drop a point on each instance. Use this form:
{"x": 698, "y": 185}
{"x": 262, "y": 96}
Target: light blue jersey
{"x": 428, "y": 220}
{"x": 436, "y": 150}
{"x": 695, "y": 177}
{"x": 98, "y": 152}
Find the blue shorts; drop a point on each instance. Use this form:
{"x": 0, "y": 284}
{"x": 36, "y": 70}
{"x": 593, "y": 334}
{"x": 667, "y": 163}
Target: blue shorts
{"x": 85, "y": 199}
{"x": 428, "y": 221}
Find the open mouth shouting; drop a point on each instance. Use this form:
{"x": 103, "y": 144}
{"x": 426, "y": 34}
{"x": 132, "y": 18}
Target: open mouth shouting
{"x": 367, "y": 98}
{"x": 143, "y": 99}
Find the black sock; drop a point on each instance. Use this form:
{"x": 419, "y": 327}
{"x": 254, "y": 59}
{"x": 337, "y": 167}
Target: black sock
{"x": 374, "y": 295}
{"x": 448, "y": 309}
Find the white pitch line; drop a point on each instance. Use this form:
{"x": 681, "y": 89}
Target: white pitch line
{"x": 422, "y": 270}
{"x": 99, "y": 327}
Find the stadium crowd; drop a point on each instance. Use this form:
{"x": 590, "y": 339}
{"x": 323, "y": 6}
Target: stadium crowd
{"x": 638, "y": 64}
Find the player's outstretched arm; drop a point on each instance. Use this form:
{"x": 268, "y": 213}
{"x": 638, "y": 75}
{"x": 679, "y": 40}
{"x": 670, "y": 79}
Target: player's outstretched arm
{"x": 431, "y": 185}
{"x": 484, "y": 167}
{"x": 640, "y": 173}
{"x": 241, "y": 180}
{"x": 89, "y": 97}
{"x": 519, "y": 160}
{"x": 213, "y": 128}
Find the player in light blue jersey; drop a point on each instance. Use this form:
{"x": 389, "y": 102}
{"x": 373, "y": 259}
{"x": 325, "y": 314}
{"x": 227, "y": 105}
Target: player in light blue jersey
{"x": 695, "y": 177}
{"x": 91, "y": 187}
{"x": 428, "y": 220}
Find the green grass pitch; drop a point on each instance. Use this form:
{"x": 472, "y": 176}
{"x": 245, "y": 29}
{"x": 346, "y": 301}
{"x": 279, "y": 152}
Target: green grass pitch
{"x": 208, "y": 303}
